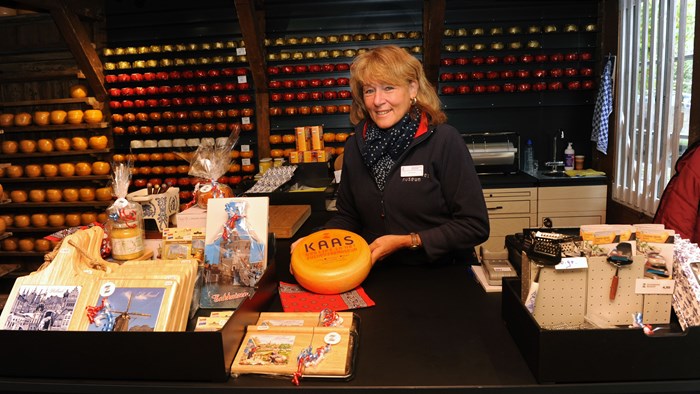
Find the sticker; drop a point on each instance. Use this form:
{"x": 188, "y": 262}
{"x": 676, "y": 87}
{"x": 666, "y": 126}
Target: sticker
{"x": 242, "y": 79}
{"x": 332, "y": 338}
{"x": 245, "y": 120}
{"x": 245, "y": 148}
{"x": 412, "y": 171}
{"x": 206, "y": 188}
{"x": 570, "y": 263}
{"x": 107, "y": 289}
{"x": 240, "y": 51}
{"x": 654, "y": 286}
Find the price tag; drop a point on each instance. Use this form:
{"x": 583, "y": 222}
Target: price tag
{"x": 107, "y": 289}
{"x": 654, "y": 286}
{"x": 245, "y": 120}
{"x": 240, "y": 51}
{"x": 245, "y": 148}
{"x": 570, "y": 263}
{"x": 245, "y": 162}
{"x": 242, "y": 79}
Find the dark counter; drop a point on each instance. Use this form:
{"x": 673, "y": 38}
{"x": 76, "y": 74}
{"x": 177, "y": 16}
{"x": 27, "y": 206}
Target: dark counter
{"x": 432, "y": 328}
{"x": 522, "y": 179}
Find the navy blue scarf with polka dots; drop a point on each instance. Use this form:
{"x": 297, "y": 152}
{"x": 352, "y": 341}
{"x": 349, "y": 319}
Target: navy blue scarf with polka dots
{"x": 384, "y": 147}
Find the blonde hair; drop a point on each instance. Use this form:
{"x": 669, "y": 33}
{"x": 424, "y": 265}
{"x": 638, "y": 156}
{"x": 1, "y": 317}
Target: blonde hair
{"x": 392, "y": 65}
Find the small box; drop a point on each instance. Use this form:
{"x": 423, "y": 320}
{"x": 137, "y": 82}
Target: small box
{"x": 316, "y": 137}
{"x": 321, "y": 155}
{"x": 303, "y": 138}
{"x": 183, "y": 243}
{"x": 309, "y": 156}
{"x": 192, "y": 217}
{"x": 295, "y": 157}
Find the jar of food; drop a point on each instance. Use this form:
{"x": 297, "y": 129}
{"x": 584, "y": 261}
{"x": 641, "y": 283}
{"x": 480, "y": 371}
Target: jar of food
{"x": 126, "y": 229}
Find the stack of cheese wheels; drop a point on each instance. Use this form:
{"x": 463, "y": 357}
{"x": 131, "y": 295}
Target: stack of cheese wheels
{"x": 331, "y": 261}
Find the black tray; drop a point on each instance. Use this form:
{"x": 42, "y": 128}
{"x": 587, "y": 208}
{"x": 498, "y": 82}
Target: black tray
{"x": 598, "y": 355}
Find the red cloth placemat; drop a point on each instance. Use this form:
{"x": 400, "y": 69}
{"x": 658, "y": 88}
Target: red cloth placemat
{"x": 295, "y": 299}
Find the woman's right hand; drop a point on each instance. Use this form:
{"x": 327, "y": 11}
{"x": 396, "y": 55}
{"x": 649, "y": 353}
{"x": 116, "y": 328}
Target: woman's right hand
{"x": 291, "y": 249}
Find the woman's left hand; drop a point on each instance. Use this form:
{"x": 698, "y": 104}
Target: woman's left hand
{"x": 388, "y": 244}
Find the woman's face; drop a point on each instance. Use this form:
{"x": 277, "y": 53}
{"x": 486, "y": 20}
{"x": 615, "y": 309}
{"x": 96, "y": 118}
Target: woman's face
{"x": 387, "y": 103}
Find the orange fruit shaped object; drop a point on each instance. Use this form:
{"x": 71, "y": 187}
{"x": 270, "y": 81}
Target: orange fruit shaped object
{"x": 331, "y": 261}
{"x": 207, "y": 191}
{"x": 93, "y": 116}
{"x": 75, "y": 116}
{"x": 78, "y": 91}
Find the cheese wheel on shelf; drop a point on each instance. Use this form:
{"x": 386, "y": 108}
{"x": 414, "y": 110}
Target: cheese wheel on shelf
{"x": 331, "y": 261}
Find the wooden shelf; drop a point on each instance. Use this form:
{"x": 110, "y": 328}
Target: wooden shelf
{"x": 35, "y": 155}
{"x": 51, "y": 179}
{"x": 62, "y": 127}
{"x": 91, "y": 101}
{"x": 60, "y": 204}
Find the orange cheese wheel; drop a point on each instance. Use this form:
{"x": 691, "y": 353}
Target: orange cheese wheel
{"x": 331, "y": 261}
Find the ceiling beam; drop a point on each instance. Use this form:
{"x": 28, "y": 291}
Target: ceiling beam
{"x": 80, "y": 45}
{"x": 252, "y": 23}
{"x": 433, "y": 27}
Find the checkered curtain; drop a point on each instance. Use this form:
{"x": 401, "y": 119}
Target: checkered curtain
{"x": 603, "y": 109}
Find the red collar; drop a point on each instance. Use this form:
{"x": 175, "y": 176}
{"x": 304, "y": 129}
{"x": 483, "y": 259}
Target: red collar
{"x": 422, "y": 127}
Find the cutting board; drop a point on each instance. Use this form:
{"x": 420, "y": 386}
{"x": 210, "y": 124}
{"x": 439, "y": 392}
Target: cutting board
{"x": 285, "y": 220}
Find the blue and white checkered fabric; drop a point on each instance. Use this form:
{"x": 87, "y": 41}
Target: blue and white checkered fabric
{"x": 603, "y": 109}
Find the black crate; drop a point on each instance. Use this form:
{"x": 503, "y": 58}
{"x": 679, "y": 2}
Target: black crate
{"x": 597, "y": 355}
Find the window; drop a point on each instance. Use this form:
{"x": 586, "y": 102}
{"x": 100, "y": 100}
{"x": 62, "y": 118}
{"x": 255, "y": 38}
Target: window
{"x": 654, "y": 78}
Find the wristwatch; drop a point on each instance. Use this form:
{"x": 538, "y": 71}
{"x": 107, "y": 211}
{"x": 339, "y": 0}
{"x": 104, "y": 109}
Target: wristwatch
{"x": 415, "y": 241}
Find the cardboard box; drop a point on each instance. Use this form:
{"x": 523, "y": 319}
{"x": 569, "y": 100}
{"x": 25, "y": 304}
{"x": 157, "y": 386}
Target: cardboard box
{"x": 316, "y": 137}
{"x": 192, "y": 217}
{"x": 597, "y": 355}
{"x": 303, "y": 138}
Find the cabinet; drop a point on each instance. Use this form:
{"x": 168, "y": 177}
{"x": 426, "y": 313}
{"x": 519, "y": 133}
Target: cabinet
{"x": 510, "y": 210}
{"x": 571, "y": 206}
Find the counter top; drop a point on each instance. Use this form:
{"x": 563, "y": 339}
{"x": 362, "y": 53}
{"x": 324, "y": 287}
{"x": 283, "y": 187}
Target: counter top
{"x": 432, "y": 328}
{"x": 522, "y": 179}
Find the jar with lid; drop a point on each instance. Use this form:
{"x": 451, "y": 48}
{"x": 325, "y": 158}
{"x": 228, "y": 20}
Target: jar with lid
{"x": 125, "y": 229}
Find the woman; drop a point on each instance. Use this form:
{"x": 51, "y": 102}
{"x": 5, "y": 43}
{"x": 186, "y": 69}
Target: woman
{"x": 679, "y": 207}
{"x": 408, "y": 184}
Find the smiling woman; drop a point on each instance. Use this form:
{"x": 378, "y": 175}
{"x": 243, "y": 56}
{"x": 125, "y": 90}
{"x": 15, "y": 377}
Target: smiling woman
{"x": 408, "y": 184}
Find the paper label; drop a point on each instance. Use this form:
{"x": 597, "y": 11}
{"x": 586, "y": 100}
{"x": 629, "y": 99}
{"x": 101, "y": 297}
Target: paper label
{"x": 245, "y": 148}
{"x": 240, "y": 51}
{"x": 570, "y": 263}
{"x": 242, "y": 79}
{"x": 412, "y": 171}
{"x": 245, "y": 120}
{"x": 654, "y": 286}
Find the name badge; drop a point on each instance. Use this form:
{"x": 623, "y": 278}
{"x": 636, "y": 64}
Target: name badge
{"x": 412, "y": 171}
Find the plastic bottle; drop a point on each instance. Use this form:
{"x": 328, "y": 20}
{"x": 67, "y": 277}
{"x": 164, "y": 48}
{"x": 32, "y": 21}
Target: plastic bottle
{"x": 569, "y": 158}
{"x": 529, "y": 158}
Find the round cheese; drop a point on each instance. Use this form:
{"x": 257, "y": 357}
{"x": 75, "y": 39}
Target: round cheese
{"x": 331, "y": 261}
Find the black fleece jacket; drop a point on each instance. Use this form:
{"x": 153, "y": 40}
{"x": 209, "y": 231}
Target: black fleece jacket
{"x": 432, "y": 190}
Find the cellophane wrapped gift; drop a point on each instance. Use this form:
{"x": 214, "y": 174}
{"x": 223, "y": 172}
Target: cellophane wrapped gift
{"x": 209, "y": 162}
{"x": 234, "y": 262}
{"x": 125, "y": 227}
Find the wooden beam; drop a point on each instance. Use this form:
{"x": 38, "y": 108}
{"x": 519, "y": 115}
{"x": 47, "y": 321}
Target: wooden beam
{"x": 80, "y": 46}
{"x": 83, "y": 8}
{"x": 433, "y": 27}
{"x": 252, "y": 23}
